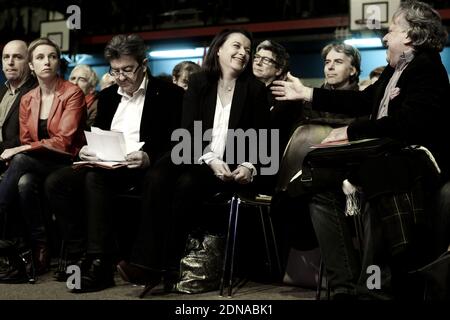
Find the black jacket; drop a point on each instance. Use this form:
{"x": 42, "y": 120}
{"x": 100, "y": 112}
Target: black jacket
{"x": 416, "y": 116}
{"x": 249, "y": 107}
{"x": 160, "y": 117}
{"x": 10, "y": 129}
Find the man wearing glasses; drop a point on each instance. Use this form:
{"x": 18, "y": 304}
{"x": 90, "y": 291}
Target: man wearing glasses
{"x": 144, "y": 109}
{"x": 270, "y": 63}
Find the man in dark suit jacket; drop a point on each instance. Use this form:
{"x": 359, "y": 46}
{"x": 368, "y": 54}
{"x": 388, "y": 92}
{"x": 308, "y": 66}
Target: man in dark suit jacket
{"x": 18, "y": 82}
{"x": 408, "y": 104}
{"x": 145, "y": 109}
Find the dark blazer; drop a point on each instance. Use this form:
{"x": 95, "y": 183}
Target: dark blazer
{"x": 10, "y": 129}
{"x": 249, "y": 107}
{"x": 417, "y": 115}
{"x": 160, "y": 116}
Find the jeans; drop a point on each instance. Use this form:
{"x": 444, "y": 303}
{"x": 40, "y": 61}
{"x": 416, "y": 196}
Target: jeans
{"x": 346, "y": 272}
{"x": 22, "y": 180}
{"x": 335, "y": 242}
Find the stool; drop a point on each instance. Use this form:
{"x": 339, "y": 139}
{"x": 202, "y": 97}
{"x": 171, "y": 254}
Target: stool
{"x": 263, "y": 204}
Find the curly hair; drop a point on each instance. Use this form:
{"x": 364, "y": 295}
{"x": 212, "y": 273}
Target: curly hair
{"x": 425, "y": 27}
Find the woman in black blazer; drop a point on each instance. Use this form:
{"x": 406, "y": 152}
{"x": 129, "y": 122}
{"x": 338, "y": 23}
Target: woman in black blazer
{"x": 224, "y": 95}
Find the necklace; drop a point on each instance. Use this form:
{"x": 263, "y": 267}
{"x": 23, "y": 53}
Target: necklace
{"x": 227, "y": 88}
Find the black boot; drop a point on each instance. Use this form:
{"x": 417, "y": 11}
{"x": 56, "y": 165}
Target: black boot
{"x": 99, "y": 275}
{"x": 20, "y": 266}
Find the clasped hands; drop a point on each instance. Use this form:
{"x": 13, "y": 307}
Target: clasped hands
{"x": 241, "y": 174}
{"x": 135, "y": 159}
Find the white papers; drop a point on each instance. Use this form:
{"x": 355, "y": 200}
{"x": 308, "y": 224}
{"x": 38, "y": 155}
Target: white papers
{"x": 110, "y": 145}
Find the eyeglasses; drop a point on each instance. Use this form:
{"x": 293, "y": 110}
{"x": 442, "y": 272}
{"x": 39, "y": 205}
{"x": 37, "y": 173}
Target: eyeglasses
{"x": 265, "y": 60}
{"x": 125, "y": 73}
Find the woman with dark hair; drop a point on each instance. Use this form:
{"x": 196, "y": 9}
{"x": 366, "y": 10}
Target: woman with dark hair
{"x": 51, "y": 117}
{"x": 224, "y": 96}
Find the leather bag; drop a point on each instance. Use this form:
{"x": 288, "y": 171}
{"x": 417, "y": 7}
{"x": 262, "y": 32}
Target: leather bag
{"x": 327, "y": 166}
{"x": 201, "y": 265}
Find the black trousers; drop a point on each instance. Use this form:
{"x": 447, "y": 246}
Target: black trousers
{"x": 84, "y": 203}
{"x": 173, "y": 198}
{"x": 22, "y": 182}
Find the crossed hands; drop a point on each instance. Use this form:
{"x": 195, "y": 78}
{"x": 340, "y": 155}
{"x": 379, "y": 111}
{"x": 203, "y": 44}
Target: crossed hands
{"x": 136, "y": 159}
{"x": 241, "y": 174}
{"x": 291, "y": 89}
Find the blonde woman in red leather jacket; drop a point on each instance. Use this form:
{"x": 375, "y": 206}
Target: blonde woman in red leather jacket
{"x": 51, "y": 133}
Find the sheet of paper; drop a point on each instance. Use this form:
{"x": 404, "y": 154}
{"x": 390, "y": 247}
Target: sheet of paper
{"x": 110, "y": 145}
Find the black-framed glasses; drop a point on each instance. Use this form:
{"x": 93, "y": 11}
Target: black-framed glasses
{"x": 125, "y": 73}
{"x": 265, "y": 60}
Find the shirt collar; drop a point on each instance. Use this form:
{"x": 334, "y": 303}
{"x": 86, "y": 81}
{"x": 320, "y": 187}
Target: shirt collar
{"x": 17, "y": 89}
{"x": 405, "y": 58}
{"x": 141, "y": 90}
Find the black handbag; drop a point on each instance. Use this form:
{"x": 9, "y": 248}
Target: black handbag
{"x": 326, "y": 166}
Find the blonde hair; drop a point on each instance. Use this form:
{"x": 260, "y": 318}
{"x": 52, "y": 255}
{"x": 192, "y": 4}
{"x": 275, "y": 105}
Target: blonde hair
{"x": 39, "y": 42}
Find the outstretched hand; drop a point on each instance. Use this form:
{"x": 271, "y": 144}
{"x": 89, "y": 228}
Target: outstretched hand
{"x": 291, "y": 89}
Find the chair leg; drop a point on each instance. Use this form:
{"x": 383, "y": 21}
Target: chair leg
{"x": 275, "y": 244}
{"x": 327, "y": 285}
{"x": 233, "y": 247}
{"x": 319, "y": 280}
{"x": 227, "y": 244}
{"x": 266, "y": 242}
{"x": 62, "y": 261}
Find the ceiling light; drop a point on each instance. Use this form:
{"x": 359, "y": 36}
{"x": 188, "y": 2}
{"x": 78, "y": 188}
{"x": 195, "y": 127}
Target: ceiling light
{"x": 364, "y": 42}
{"x": 180, "y": 53}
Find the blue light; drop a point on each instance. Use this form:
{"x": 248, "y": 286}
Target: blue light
{"x": 364, "y": 42}
{"x": 180, "y": 53}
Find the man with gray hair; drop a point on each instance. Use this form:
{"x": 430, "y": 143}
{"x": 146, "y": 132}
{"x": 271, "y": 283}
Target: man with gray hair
{"x": 86, "y": 78}
{"x": 144, "y": 109}
{"x": 409, "y": 104}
